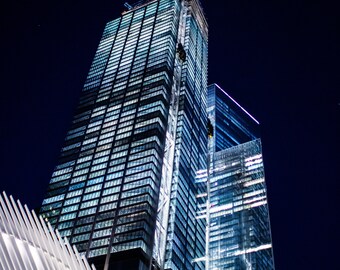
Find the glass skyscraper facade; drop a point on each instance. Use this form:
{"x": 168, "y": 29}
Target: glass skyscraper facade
{"x": 240, "y": 235}
{"x": 236, "y": 209}
{"x": 124, "y": 188}
{"x": 233, "y": 125}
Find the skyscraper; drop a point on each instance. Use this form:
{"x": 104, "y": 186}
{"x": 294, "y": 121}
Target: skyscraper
{"x": 123, "y": 191}
{"x": 238, "y": 231}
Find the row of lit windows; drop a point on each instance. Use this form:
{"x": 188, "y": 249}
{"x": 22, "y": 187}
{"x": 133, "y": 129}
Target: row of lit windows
{"x": 98, "y": 187}
{"x": 110, "y": 206}
{"x": 116, "y": 50}
{"x": 110, "y": 28}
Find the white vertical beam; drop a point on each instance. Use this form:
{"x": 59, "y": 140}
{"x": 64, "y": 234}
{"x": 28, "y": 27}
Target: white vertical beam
{"x": 41, "y": 234}
{"x": 66, "y": 253}
{"x": 39, "y": 241}
{"x": 54, "y": 248}
{"x": 6, "y": 263}
{"x": 25, "y": 236}
{"x": 12, "y": 247}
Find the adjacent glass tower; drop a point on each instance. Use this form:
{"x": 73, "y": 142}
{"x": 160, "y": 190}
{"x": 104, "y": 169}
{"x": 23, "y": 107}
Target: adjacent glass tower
{"x": 239, "y": 233}
{"x": 233, "y": 125}
{"x": 123, "y": 191}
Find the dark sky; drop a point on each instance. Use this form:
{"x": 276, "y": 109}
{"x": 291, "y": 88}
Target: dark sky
{"x": 278, "y": 59}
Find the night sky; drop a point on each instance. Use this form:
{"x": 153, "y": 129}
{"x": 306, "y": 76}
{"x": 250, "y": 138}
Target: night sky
{"x": 278, "y": 59}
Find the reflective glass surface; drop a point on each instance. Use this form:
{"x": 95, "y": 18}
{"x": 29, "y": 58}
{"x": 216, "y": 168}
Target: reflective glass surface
{"x": 240, "y": 235}
{"x": 233, "y": 125}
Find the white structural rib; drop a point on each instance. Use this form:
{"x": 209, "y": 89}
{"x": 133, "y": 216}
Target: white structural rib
{"x": 28, "y": 243}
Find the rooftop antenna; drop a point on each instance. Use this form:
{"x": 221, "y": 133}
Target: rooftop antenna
{"x": 128, "y": 6}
